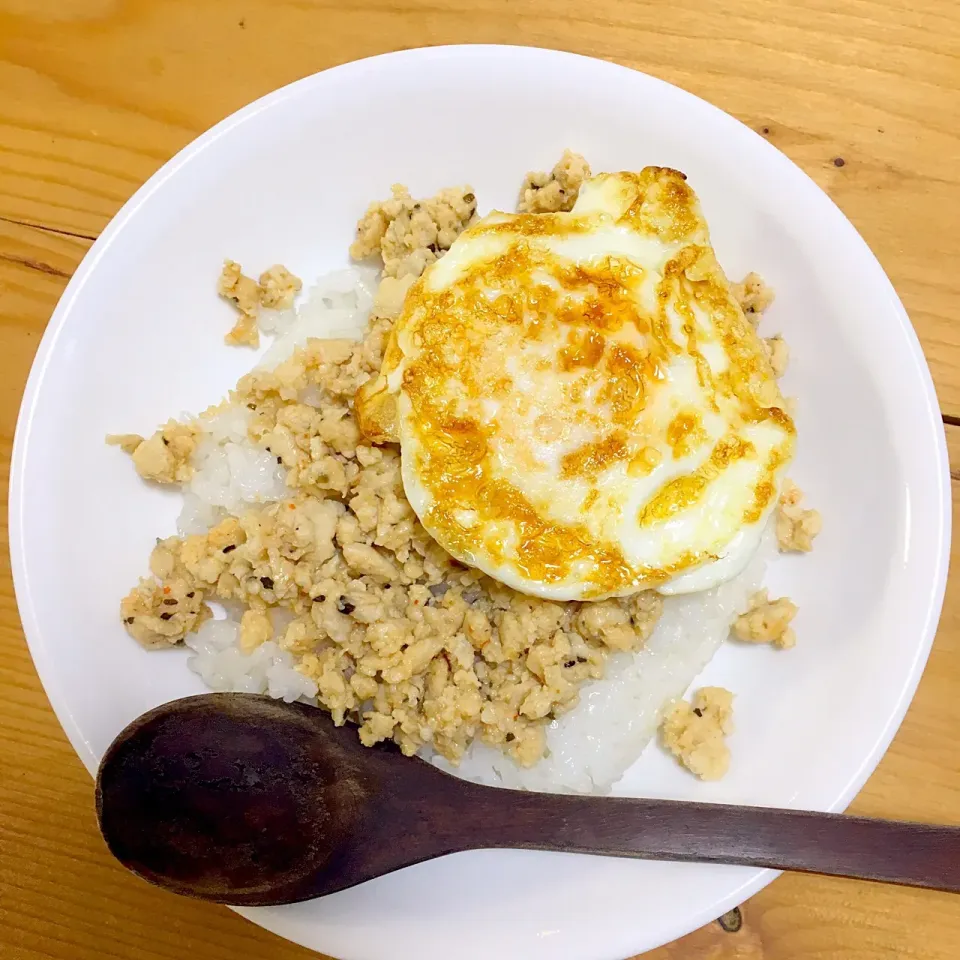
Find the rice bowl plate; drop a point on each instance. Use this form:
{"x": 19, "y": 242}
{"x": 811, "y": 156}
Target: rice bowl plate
{"x": 811, "y": 723}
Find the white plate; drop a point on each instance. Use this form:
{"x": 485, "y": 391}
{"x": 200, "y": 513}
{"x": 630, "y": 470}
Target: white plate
{"x": 138, "y": 335}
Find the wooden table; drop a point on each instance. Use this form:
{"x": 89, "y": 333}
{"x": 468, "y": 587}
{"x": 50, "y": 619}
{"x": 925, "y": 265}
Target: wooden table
{"x": 96, "y": 94}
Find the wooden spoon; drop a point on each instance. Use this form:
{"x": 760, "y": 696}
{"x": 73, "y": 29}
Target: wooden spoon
{"x": 242, "y": 799}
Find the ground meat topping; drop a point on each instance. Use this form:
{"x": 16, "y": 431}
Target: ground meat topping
{"x": 557, "y": 190}
{"x": 127, "y": 442}
{"x": 767, "y": 621}
{"x": 778, "y": 353}
{"x": 159, "y": 613}
{"x": 245, "y": 293}
{"x": 410, "y": 234}
{"x": 166, "y": 456}
{"x": 753, "y": 295}
{"x": 796, "y": 527}
{"x": 276, "y": 289}
{"x": 255, "y": 629}
{"x": 694, "y": 732}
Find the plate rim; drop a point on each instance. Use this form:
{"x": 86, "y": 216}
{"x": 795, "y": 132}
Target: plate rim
{"x": 37, "y": 647}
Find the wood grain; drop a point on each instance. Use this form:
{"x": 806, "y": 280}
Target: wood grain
{"x": 96, "y": 94}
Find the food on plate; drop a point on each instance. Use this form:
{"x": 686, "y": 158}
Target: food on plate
{"x": 557, "y": 190}
{"x": 582, "y": 409}
{"x": 694, "y": 732}
{"x": 276, "y": 290}
{"x": 408, "y": 235}
{"x": 796, "y": 526}
{"x": 767, "y": 621}
{"x": 302, "y": 518}
{"x": 753, "y": 295}
{"x": 778, "y": 354}
{"x": 165, "y": 456}
{"x": 160, "y": 612}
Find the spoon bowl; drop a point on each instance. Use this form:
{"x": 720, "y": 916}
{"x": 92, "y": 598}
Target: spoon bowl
{"x": 241, "y": 799}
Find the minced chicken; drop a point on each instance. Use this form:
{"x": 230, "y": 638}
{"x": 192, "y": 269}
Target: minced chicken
{"x": 796, "y": 527}
{"x": 407, "y": 234}
{"x": 694, "y": 732}
{"x": 753, "y": 295}
{"x": 276, "y": 289}
{"x": 767, "y": 621}
{"x": 555, "y": 191}
{"x": 166, "y": 456}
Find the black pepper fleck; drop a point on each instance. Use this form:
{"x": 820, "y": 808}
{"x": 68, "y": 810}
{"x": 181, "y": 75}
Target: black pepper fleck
{"x": 229, "y": 548}
{"x": 581, "y": 659}
{"x": 510, "y": 738}
{"x": 128, "y": 620}
{"x": 319, "y": 599}
{"x": 279, "y": 459}
{"x": 267, "y": 582}
{"x": 165, "y": 616}
{"x": 387, "y": 586}
{"x": 345, "y": 606}
{"x": 698, "y": 711}
{"x": 570, "y": 663}
{"x": 170, "y": 602}
{"x": 166, "y": 442}
{"x": 269, "y": 450}
{"x": 766, "y": 129}
{"x": 191, "y": 594}
{"x": 839, "y": 162}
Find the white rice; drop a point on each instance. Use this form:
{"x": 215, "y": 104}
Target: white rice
{"x": 223, "y": 666}
{"x": 336, "y": 306}
{"x": 590, "y": 747}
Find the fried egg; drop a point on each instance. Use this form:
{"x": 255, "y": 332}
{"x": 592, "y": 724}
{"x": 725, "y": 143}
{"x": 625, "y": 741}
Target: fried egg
{"x": 583, "y": 411}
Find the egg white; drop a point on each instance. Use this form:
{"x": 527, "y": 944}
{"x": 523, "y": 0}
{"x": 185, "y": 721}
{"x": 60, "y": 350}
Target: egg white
{"x": 549, "y": 419}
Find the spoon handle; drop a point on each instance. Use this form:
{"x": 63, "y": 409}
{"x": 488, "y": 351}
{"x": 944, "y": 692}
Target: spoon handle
{"x": 915, "y": 854}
